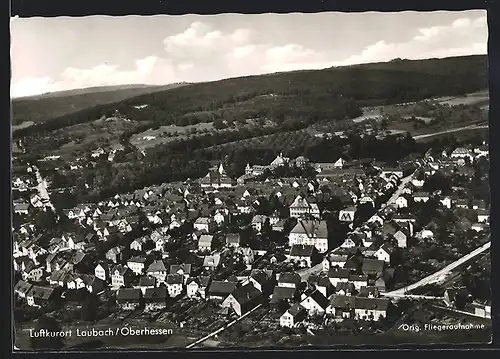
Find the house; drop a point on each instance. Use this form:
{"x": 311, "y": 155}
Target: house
{"x": 21, "y": 208}
{"x": 101, "y": 271}
{"x": 446, "y": 201}
{"x": 341, "y": 306}
{"x": 78, "y": 242}
{"x": 345, "y": 288}
{"x": 338, "y": 275}
{"x": 121, "y": 276}
{"x": 452, "y": 294}
{"x": 304, "y": 255}
{"x": 480, "y": 227}
{"x": 310, "y": 232}
{"x": 155, "y": 298}
{"x": 137, "y": 264}
{"x": 369, "y": 292}
{"x": 421, "y": 197}
{"x": 211, "y": 261}
{"x": 22, "y": 288}
{"x": 372, "y": 267}
{"x": 334, "y": 260}
{"x": 204, "y": 224}
{"x": 247, "y": 254}
{"x": 371, "y": 308}
{"x": 92, "y": 283}
{"x": 129, "y": 298}
{"x": 283, "y": 297}
{"x": 198, "y": 286}
{"x": 233, "y": 239}
{"x": 403, "y": 201}
{"x": 114, "y": 254}
{"x": 462, "y": 153}
{"x": 38, "y": 296}
{"x": 385, "y": 252}
{"x": 142, "y": 244}
{"x": 205, "y": 242}
{"x": 258, "y": 222}
{"x": 182, "y": 269}
{"x": 300, "y": 207}
{"x": 401, "y": 237}
{"x": 347, "y": 214}
{"x": 146, "y": 282}
{"x": 243, "y": 299}
{"x": 358, "y": 280}
{"x": 376, "y": 218}
{"x": 316, "y": 303}
{"x": 175, "y": 284}
{"x": 295, "y": 314}
{"x": 483, "y": 216}
{"x": 219, "y": 290}
{"x": 158, "y": 271}
{"x": 262, "y": 281}
{"x": 289, "y": 280}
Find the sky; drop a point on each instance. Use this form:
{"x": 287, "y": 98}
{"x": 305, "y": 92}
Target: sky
{"x": 64, "y": 53}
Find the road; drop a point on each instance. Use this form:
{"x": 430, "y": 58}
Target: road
{"x": 458, "y": 129}
{"x": 305, "y": 273}
{"x": 42, "y": 188}
{"x": 437, "y": 275}
{"x": 201, "y": 340}
{"x": 399, "y": 190}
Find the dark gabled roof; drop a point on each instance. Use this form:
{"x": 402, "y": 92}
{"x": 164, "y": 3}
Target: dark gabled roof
{"x": 319, "y": 298}
{"x": 22, "y": 286}
{"x": 367, "y": 291}
{"x": 128, "y": 294}
{"x": 221, "y": 288}
{"x": 186, "y": 268}
{"x": 343, "y": 301}
{"x": 120, "y": 268}
{"x": 137, "y": 259}
{"x": 40, "y": 292}
{"x": 175, "y": 279}
{"x": 289, "y": 278}
{"x": 232, "y": 238}
{"x": 281, "y": 293}
{"x": 155, "y": 294}
{"x": 157, "y": 266}
{"x": 372, "y": 303}
{"x": 347, "y": 287}
{"x": 296, "y": 309}
{"x": 260, "y": 277}
{"x": 299, "y": 250}
{"x": 147, "y": 281}
{"x": 357, "y": 277}
{"x": 338, "y": 273}
{"x": 245, "y": 294}
{"x": 372, "y": 265}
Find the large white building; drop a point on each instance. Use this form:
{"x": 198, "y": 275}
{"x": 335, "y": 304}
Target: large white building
{"x": 301, "y": 208}
{"x": 310, "y": 233}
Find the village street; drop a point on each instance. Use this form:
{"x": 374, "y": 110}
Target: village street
{"x": 437, "y": 275}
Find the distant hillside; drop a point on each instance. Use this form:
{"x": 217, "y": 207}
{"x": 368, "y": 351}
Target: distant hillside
{"x": 43, "y": 107}
{"x": 329, "y": 94}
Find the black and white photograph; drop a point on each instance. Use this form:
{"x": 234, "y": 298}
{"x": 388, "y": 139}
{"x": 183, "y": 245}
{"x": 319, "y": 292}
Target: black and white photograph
{"x": 250, "y": 181}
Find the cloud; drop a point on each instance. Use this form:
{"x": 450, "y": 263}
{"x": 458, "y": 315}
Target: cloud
{"x": 201, "y": 52}
{"x": 149, "y": 70}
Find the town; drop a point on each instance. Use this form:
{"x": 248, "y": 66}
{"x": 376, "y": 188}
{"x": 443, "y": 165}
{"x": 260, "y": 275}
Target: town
{"x": 263, "y": 257}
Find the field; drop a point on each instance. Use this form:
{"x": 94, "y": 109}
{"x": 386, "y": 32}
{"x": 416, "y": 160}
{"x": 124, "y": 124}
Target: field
{"x": 481, "y": 99}
{"x": 88, "y": 136}
{"x": 165, "y": 134}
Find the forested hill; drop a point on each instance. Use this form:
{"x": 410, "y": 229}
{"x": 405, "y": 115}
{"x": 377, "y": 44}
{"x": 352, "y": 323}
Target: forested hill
{"x": 47, "y": 106}
{"x": 329, "y": 94}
